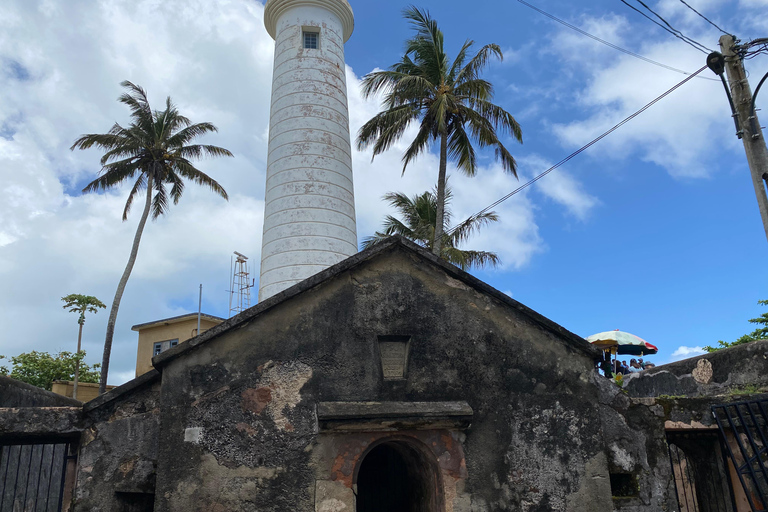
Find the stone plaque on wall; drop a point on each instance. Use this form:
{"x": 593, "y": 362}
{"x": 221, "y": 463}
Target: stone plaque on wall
{"x": 394, "y": 356}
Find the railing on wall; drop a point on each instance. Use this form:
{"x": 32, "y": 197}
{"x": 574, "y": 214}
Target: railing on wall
{"x": 744, "y": 428}
{"x": 33, "y": 475}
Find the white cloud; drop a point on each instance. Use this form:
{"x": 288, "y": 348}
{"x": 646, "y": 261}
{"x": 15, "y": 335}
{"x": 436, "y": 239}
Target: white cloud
{"x": 677, "y": 133}
{"x": 559, "y": 186}
{"x": 60, "y": 66}
{"x": 610, "y": 27}
{"x": 683, "y": 352}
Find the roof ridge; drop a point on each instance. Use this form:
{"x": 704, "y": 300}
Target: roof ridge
{"x": 390, "y": 243}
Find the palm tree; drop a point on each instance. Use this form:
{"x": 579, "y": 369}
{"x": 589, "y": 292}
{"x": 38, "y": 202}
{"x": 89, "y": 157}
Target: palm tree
{"x": 154, "y": 151}
{"x": 81, "y": 304}
{"x": 449, "y": 100}
{"x": 420, "y": 217}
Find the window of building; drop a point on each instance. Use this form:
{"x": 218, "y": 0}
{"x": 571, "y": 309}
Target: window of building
{"x": 311, "y": 40}
{"x": 161, "y": 346}
{"x": 624, "y": 485}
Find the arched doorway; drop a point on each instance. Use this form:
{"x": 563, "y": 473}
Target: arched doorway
{"x": 396, "y": 476}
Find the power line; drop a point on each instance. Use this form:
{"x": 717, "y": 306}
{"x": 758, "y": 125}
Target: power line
{"x": 753, "y": 48}
{"x": 673, "y": 29}
{"x": 669, "y": 28}
{"x": 705, "y": 18}
{"x": 611, "y": 45}
{"x": 581, "y": 149}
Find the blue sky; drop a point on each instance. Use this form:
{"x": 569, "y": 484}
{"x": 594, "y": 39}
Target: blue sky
{"x": 655, "y": 230}
{"x": 667, "y": 253}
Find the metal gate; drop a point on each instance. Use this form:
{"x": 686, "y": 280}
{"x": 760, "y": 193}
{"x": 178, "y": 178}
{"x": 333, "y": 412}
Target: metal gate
{"x": 33, "y": 475}
{"x": 744, "y": 427}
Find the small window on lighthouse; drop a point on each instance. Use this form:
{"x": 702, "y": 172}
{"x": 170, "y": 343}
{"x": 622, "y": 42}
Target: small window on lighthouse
{"x": 311, "y": 40}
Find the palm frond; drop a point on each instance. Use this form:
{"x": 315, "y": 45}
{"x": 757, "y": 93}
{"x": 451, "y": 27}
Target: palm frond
{"x": 177, "y": 186}
{"x": 475, "y": 89}
{"x": 376, "y": 239}
{"x": 460, "y": 149}
{"x": 483, "y": 130}
{"x": 419, "y": 145}
{"x": 416, "y": 222}
{"x": 112, "y": 175}
{"x": 463, "y": 231}
{"x": 138, "y": 103}
{"x": 189, "y": 133}
{"x": 201, "y": 151}
{"x": 385, "y": 128}
{"x": 467, "y": 259}
{"x": 458, "y": 62}
{"x": 498, "y": 117}
{"x": 185, "y": 168}
{"x": 138, "y": 186}
{"x": 477, "y": 63}
{"x": 159, "y": 199}
{"x": 105, "y": 141}
{"x": 378, "y": 81}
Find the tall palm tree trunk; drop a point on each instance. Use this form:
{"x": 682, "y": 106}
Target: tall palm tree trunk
{"x": 77, "y": 362}
{"x": 121, "y": 289}
{"x": 437, "y": 246}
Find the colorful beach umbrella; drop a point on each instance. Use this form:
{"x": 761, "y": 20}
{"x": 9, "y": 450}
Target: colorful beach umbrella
{"x": 622, "y": 343}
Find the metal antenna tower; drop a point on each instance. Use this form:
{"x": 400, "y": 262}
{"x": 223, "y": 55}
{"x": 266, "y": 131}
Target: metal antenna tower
{"x": 240, "y": 286}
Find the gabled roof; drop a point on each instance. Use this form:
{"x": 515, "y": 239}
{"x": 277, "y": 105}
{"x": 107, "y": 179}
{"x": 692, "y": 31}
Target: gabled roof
{"x": 175, "y": 320}
{"x": 574, "y": 340}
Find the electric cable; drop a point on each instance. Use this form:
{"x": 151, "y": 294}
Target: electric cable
{"x": 753, "y": 48}
{"x": 580, "y": 150}
{"x": 607, "y": 43}
{"x": 683, "y": 38}
{"x": 705, "y": 18}
{"x": 673, "y": 29}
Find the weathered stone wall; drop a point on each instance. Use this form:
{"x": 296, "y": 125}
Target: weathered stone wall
{"x": 239, "y": 425}
{"x": 636, "y": 445}
{"x": 743, "y": 368}
{"x": 637, "y": 433}
{"x": 117, "y": 460}
{"x": 14, "y": 393}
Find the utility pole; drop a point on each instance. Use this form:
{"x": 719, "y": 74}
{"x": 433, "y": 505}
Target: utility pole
{"x": 749, "y": 130}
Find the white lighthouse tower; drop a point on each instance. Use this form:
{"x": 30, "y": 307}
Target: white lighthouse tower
{"x": 309, "y": 218}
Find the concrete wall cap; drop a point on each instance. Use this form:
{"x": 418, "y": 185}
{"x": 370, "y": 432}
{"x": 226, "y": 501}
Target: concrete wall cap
{"x": 341, "y": 8}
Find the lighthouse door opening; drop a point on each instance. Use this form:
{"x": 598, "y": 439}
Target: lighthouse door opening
{"x": 394, "y": 476}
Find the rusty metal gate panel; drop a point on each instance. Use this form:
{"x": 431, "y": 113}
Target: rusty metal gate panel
{"x": 32, "y": 475}
{"x": 744, "y": 428}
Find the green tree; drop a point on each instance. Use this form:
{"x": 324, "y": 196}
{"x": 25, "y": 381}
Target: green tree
{"x": 81, "y": 304}
{"x": 419, "y": 214}
{"x": 758, "y": 334}
{"x": 41, "y": 368}
{"x": 449, "y": 100}
{"x": 154, "y": 151}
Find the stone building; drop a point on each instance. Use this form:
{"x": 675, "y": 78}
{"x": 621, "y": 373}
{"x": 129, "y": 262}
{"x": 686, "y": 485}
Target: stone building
{"x": 390, "y": 381}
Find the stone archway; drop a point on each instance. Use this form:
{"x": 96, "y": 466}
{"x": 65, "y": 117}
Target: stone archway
{"x": 397, "y": 475}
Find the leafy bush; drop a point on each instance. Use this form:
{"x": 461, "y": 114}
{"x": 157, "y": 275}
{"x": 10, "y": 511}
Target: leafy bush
{"x": 41, "y": 368}
{"x": 757, "y": 334}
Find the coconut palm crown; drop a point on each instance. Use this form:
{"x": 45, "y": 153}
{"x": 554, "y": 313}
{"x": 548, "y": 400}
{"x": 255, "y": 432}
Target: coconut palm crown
{"x": 154, "y": 152}
{"x": 419, "y": 214}
{"x": 449, "y": 100}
